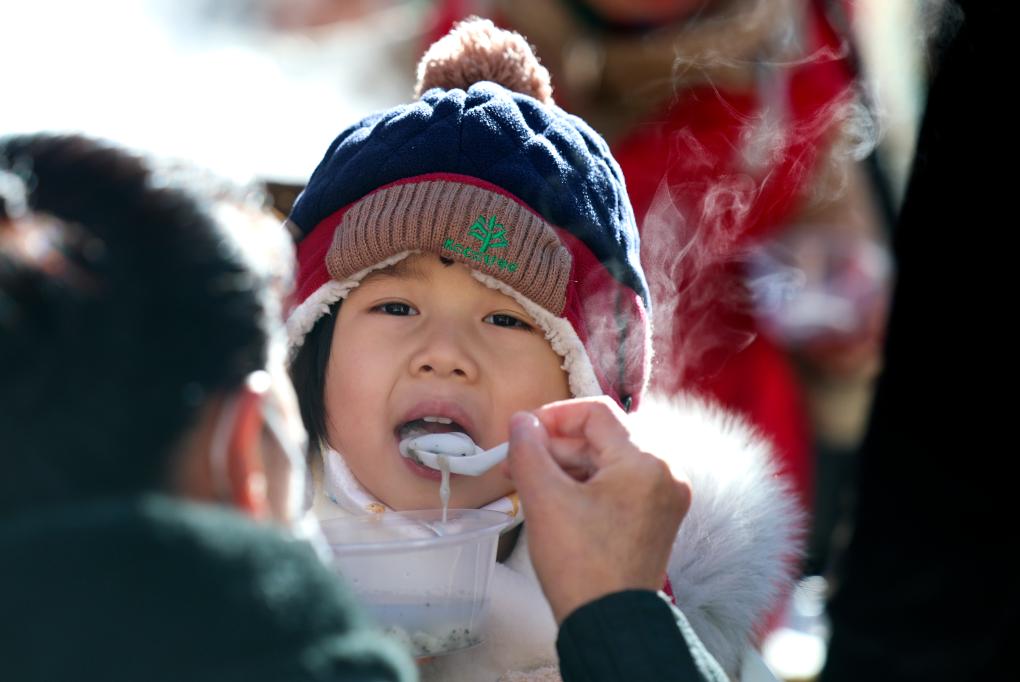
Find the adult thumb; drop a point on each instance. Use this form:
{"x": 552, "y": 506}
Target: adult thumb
{"x": 532, "y": 466}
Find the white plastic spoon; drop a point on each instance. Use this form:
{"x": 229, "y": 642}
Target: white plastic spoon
{"x": 463, "y": 455}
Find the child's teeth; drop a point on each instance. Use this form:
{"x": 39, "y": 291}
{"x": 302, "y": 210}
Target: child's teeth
{"x": 437, "y": 420}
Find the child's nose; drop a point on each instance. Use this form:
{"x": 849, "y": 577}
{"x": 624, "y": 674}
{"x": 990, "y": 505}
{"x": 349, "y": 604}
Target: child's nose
{"x": 444, "y": 353}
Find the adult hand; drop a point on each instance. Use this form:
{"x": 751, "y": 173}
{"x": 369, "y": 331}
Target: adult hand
{"x": 602, "y": 514}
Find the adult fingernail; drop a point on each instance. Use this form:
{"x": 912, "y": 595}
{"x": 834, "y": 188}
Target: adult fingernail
{"x": 523, "y": 424}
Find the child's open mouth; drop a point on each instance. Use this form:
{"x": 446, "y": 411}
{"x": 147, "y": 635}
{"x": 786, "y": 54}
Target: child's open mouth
{"x": 422, "y": 426}
{"x": 426, "y": 425}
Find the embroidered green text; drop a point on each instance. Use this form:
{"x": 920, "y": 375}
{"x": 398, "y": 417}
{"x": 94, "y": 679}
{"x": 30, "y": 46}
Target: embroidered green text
{"x": 492, "y": 235}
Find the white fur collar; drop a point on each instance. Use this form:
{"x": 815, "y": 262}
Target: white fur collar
{"x": 738, "y": 548}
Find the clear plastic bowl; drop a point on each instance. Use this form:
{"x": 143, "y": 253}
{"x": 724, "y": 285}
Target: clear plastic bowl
{"x": 424, "y": 581}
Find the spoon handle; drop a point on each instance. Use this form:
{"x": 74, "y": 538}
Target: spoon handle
{"x": 476, "y": 465}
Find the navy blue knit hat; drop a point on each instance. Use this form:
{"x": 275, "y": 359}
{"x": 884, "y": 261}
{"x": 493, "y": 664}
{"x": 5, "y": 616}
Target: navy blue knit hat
{"x": 485, "y": 169}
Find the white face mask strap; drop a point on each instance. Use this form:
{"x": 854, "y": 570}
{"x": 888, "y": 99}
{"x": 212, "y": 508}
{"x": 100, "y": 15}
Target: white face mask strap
{"x": 220, "y": 446}
{"x": 295, "y": 460}
{"x": 301, "y": 521}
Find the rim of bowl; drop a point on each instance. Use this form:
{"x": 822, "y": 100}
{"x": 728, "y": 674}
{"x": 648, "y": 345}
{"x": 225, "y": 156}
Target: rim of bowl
{"x": 498, "y": 522}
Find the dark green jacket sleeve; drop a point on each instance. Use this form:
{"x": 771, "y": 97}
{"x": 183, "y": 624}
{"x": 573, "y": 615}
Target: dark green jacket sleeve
{"x": 158, "y": 589}
{"x": 633, "y": 635}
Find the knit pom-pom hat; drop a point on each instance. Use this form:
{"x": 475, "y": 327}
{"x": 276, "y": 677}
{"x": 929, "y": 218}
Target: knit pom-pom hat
{"x": 486, "y": 170}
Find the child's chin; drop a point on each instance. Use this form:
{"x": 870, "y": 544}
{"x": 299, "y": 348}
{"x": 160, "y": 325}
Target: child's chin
{"x": 416, "y": 497}
{"x": 429, "y": 499}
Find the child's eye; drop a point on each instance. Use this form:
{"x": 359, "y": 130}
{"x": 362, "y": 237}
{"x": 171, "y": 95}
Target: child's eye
{"x": 395, "y": 308}
{"x": 504, "y": 320}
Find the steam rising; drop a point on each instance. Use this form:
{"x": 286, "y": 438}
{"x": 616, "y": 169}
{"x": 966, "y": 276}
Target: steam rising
{"x": 695, "y": 241}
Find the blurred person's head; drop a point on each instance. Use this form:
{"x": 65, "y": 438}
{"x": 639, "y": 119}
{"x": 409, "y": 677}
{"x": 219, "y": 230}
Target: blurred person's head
{"x": 140, "y": 341}
{"x": 649, "y": 12}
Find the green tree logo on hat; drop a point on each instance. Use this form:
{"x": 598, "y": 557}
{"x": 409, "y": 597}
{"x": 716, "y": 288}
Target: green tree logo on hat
{"x": 489, "y": 233}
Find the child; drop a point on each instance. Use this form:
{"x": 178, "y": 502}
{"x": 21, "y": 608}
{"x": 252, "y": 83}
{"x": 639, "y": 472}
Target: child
{"x": 484, "y": 250}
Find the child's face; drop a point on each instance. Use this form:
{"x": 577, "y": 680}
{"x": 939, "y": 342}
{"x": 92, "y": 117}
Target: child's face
{"x": 425, "y": 339}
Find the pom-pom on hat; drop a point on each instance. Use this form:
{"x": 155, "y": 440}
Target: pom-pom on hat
{"x": 486, "y": 170}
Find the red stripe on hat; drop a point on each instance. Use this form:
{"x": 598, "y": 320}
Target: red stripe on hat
{"x": 464, "y": 180}
{"x": 311, "y": 256}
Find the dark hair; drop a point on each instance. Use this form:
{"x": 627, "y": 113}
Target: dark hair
{"x": 308, "y": 374}
{"x": 130, "y": 305}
